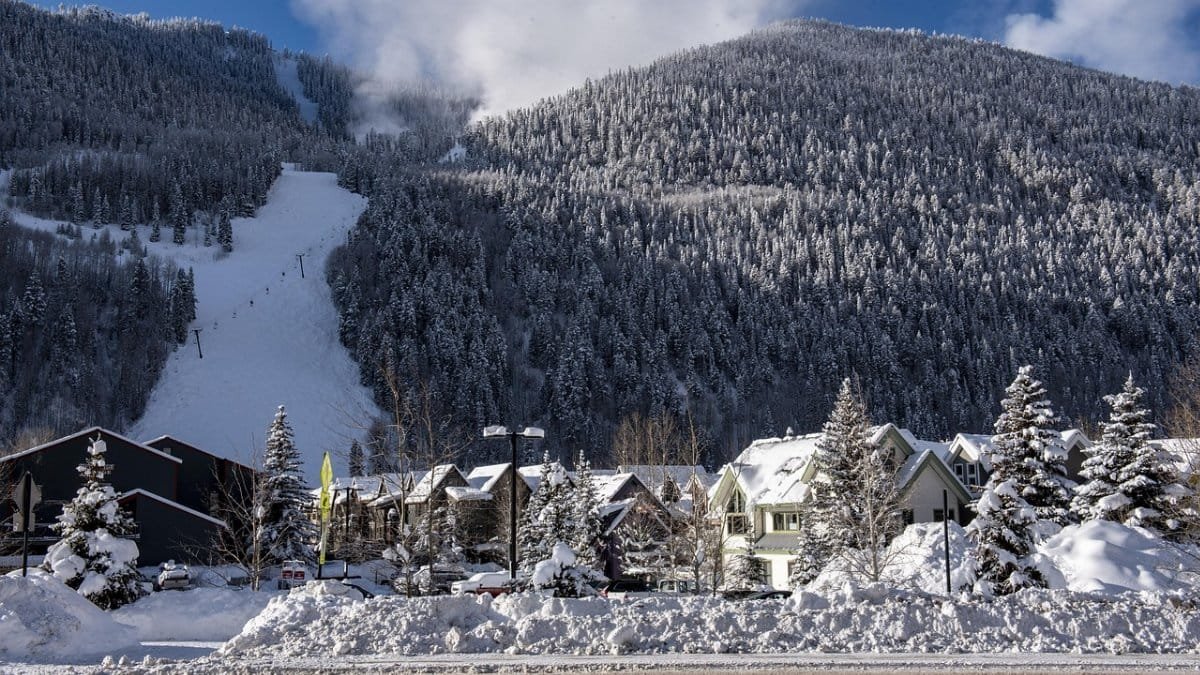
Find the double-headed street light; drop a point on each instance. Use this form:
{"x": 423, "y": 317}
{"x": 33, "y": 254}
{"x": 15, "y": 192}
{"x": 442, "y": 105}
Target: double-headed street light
{"x": 499, "y": 432}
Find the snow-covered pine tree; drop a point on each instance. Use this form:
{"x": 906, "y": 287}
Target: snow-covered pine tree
{"x": 745, "y": 571}
{"x": 564, "y": 573}
{"x": 1004, "y": 530}
{"x": 1025, "y": 430}
{"x": 94, "y": 556}
{"x": 1129, "y": 480}
{"x": 809, "y": 557}
{"x": 285, "y": 532}
{"x": 356, "y": 460}
{"x": 531, "y": 538}
{"x": 586, "y": 541}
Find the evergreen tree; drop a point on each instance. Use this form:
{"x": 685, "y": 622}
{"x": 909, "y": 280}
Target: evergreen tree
{"x": 1025, "y": 429}
{"x": 179, "y": 216}
{"x": 745, "y": 571}
{"x": 94, "y": 555}
{"x": 1129, "y": 480}
{"x": 33, "y": 302}
{"x": 1005, "y": 527}
{"x": 356, "y": 460}
{"x": 589, "y": 529}
{"x": 225, "y": 228}
{"x": 285, "y": 532}
{"x": 155, "y": 223}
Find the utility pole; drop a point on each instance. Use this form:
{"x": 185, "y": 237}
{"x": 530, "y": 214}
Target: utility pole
{"x": 300, "y": 256}
{"x": 198, "y": 350}
{"x": 946, "y": 537}
{"x": 499, "y": 432}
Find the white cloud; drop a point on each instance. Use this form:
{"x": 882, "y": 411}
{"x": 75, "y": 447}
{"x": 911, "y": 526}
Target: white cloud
{"x": 1143, "y": 38}
{"x": 515, "y": 52}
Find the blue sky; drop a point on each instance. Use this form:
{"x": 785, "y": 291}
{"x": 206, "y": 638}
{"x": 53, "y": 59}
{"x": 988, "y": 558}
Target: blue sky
{"x": 513, "y": 52}
{"x": 276, "y": 19}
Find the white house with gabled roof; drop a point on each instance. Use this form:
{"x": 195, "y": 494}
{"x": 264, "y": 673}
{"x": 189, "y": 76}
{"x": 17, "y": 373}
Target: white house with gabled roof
{"x": 760, "y": 495}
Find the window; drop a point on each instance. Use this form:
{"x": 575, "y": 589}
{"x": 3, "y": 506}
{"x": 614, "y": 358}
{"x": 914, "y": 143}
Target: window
{"x": 972, "y": 474}
{"x": 785, "y": 522}
{"x": 735, "y": 523}
{"x": 736, "y": 503}
{"x": 938, "y": 515}
{"x": 907, "y": 514}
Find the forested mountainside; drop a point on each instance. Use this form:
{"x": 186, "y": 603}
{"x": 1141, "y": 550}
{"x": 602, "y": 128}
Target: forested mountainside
{"x": 83, "y": 334}
{"x": 732, "y": 230}
{"x": 112, "y": 119}
{"x": 123, "y": 119}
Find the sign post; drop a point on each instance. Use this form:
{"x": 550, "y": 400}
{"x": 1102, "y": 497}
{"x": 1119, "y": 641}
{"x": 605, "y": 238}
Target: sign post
{"x": 27, "y": 495}
{"x": 326, "y": 506}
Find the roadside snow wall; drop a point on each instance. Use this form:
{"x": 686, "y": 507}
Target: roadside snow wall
{"x": 869, "y": 619}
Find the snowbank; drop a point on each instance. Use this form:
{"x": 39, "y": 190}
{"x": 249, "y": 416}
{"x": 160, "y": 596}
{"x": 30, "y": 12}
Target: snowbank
{"x": 202, "y": 614}
{"x": 308, "y": 624}
{"x": 44, "y": 619}
{"x": 1105, "y": 557}
{"x": 1094, "y": 557}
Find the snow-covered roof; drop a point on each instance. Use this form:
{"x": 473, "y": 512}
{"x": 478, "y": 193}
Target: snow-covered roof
{"x": 467, "y": 494}
{"x": 775, "y": 470}
{"x": 1184, "y": 453}
{"x": 485, "y": 477}
{"x": 607, "y": 487}
{"x": 428, "y": 482}
{"x": 533, "y": 474}
{"x": 88, "y": 432}
{"x": 612, "y": 514}
{"x": 770, "y": 468}
{"x": 173, "y": 504}
{"x": 979, "y": 447}
{"x": 653, "y": 476}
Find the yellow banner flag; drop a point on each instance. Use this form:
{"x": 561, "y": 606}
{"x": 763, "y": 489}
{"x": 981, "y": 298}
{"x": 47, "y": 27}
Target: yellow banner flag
{"x": 326, "y": 503}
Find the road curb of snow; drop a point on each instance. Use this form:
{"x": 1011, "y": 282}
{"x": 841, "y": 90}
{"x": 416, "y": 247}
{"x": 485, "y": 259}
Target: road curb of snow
{"x": 852, "y": 619}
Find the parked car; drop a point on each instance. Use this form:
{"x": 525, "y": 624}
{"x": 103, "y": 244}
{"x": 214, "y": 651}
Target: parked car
{"x": 627, "y": 588}
{"x": 172, "y": 577}
{"x": 292, "y": 574}
{"x": 677, "y": 586}
{"x": 441, "y": 581}
{"x": 492, "y": 583}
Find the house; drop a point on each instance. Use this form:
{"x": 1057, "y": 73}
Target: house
{"x": 635, "y": 525}
{"x": 168, "y": 487}
{"x": 969, "y": 456}
{"x": 492, "y": 527}
{"x": 761, "y": 494}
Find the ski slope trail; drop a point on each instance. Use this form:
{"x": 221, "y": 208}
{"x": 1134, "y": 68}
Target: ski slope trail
{"x": 268, "y": 336}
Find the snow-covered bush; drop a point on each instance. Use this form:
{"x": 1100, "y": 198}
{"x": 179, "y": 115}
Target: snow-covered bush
{"x": 93, "y": 556}
{"x": 563, "y": 574}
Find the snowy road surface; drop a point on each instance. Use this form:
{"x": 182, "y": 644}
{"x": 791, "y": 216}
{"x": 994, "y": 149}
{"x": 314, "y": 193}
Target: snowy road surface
{"x": 166, "y": 657}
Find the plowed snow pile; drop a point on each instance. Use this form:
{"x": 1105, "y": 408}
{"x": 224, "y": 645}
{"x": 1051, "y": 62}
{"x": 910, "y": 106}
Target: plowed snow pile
{"x": 40, "y": 617}
{"x": 876, "y": 618}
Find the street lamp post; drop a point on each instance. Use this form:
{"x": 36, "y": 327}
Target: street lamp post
{"x": 500, "y": 432}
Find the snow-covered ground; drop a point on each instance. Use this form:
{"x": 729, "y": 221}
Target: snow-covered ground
{"x": 1139, "y": 614}
{"x": 269, "y": 337}
{"x": 289, "y": 79}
